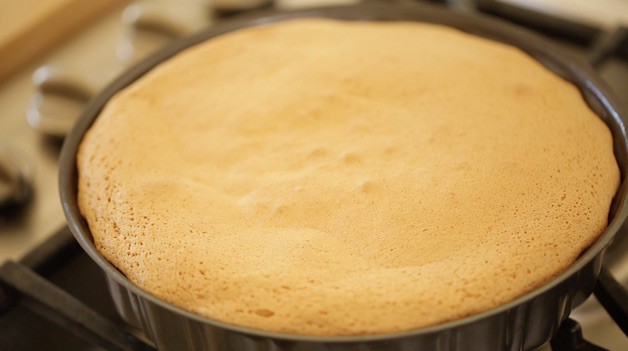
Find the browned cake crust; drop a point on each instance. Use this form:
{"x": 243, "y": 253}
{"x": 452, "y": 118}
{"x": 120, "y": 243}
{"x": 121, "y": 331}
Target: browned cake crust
{"x": 333, "y": 178}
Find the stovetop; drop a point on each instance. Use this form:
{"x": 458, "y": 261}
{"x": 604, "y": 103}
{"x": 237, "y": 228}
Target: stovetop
{"x": 22, "y": 329}
{"x": 38, "y": 104}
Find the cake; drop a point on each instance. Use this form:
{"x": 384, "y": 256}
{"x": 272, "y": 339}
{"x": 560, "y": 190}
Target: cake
{"x": 323, "y": 177}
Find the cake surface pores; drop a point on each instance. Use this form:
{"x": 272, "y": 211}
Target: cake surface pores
{"x": 323, "y": 177}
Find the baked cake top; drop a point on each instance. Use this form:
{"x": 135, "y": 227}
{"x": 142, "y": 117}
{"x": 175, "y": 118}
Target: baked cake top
{"x": 323, "y": 177}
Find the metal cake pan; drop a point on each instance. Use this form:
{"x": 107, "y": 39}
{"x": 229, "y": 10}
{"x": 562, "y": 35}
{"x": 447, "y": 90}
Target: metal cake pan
{"x": 522, "y": 324}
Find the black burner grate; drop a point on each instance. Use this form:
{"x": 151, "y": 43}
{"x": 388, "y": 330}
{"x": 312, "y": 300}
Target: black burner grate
{"x": 24, "y": 284}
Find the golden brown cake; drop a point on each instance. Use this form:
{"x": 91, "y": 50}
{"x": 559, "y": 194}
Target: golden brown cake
{"x": 322, "y": 177}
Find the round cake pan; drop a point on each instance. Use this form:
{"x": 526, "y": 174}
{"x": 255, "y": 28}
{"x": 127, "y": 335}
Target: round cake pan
{"x": 522, "y": 324}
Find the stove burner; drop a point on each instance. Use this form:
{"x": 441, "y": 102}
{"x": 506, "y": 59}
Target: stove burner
{"x": 59, "y": 99}
{"x": 569, "y": 338}
{"x": 149, "y": 26}
{"x": 15, "y": 180}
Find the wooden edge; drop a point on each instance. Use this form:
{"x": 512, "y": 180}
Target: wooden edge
{"x": 58, "y": 25}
